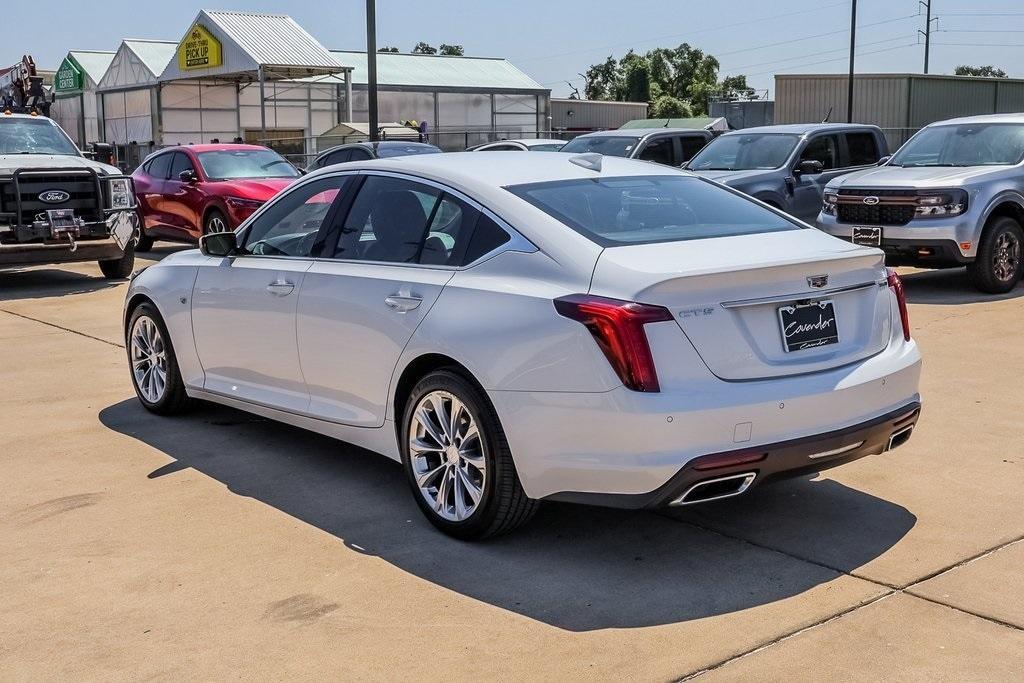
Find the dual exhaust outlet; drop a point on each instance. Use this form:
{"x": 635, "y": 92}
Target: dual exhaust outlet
{"x": 737, "y": 484}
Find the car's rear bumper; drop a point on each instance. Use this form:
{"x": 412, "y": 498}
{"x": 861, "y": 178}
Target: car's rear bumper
{"x": 750, "y": 467}
{"x": 630, "y": 446}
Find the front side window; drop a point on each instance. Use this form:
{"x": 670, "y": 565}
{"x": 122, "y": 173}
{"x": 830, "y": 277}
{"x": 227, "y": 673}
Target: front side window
{"x": 646, "y": 209}
{"x": 824, "y": 150}
{"x": 609, "y": 145}
{"x": 289, "y": 226}
{"x": 691, "y": 144}
{"x": 659, "y": 151}
{"x": 34, "y": 136}
{"x": 973, "y": 144}
{"x": 745, "y": 152}
{"x": 863, "y": 149}
{"x": 180, "y": 163}
{"x": 231, "y": 164}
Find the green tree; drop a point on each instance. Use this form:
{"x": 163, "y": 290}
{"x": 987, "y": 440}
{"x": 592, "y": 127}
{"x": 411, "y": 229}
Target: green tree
{"x": 668, "y": 107}
{"x": 387, "y": 49}
{"x": 988, "y": 71}
{"x": 452, "y": 50}
{"x": 735, "y": 85}
{"x": 424, "y": 49}
{"x": 603, "y": 80}
{"x": 684, "y": 73}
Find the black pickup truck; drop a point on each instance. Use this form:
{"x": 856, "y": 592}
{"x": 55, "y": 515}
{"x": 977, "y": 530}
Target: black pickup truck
{"x": 56, "y": 205}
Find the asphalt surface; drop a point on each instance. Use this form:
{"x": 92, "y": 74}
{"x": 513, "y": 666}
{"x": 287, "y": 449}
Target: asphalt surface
{"x": 222, "y": 545}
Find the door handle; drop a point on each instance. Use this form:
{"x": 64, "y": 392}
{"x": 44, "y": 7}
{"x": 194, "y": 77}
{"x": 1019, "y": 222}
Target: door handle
{"x": 281, "y": 288}
{"x": 402, "y": 304}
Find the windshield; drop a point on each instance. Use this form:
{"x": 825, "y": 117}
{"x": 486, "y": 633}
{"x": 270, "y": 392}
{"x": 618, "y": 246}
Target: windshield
{"x": 645, "y": 209}
{"x": 34, "y": 136}
{"x": 386, "y": 151}
{"x": 744, "y": 152}
{"x": 245, "y": 163}
{"x": 974, "y": 144}
{"x": 613, "y": 146}
{"x": 547, "y": 147}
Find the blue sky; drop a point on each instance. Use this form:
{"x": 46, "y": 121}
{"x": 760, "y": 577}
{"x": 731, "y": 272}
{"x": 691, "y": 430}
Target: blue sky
{"x": 555, "y": 41}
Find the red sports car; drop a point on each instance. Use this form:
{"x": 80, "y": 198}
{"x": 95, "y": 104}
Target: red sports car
{"x": 185, "y": 192}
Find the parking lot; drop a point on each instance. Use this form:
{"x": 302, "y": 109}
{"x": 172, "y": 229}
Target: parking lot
{"x": 223, "y": 545}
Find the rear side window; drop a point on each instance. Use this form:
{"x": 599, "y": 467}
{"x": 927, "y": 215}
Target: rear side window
{"x": 159, "y": 166}
{"x": 863, "y": 149}
{"x": 487, "y": 237}
{"x": 339, "y": 157}
{"x": 647, "y": 209}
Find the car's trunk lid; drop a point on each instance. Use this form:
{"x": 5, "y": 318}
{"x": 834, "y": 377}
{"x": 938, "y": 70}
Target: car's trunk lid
{"x": 725, "y": 294}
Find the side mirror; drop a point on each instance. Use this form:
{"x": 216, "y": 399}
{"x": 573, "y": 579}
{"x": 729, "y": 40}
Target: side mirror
{"x": 810, "y": 167}
{"x": 219, "y": 244}
{"x": 187, "y": 176}
{"x": 884, "y": 160}
{"x": 302, "y": 171}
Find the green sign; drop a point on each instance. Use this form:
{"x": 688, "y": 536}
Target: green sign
{"x": 68, "y": 77}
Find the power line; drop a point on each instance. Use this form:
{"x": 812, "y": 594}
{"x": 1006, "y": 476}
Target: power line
{"x": 817, "y": 35}
{"x": 687, "y": 34}
{"x": 733, "y": 69}
{"x": 837, "y": 59}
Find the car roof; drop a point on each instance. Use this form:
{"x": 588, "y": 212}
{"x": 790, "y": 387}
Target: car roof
{"x": 984, "y": 118}
{"x": 802, "y": 128}
{"x": 499, "y": 169}
{"x": 216, "y": 147}
{"x": 377, "y": 145}
{"x": 638, "y": 133}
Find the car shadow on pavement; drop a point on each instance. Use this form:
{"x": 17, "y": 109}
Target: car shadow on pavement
{"x": 574, "y": 567}
{"x": 47, "y": 283}
{"x": 949, "y": 287}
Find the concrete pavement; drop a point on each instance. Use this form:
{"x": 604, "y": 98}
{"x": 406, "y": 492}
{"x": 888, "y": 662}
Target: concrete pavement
{"x": 222, "y": 545}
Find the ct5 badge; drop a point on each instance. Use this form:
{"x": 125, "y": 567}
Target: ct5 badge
{"x": 700, "y": 312}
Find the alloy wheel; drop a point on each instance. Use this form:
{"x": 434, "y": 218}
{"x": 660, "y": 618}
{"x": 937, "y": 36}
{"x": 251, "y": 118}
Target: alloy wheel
{"x": 447, "y": 456}
{"x": 1006, "y": 256}
{"x": 217, "y": 224}
{"x": 149, "y": 359}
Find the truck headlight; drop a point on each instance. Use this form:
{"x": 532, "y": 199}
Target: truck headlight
{"x": 828, "y": 203}
{"x": 941, "y": 203}
{"x": 121, "y": 196}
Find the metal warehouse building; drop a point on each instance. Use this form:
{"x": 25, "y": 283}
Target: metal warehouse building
{"x": 900, "y": 104}
{"x": 590, "y": 115}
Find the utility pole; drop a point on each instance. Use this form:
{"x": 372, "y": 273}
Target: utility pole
{"x": 853, "y": 42}
{"x": 371, "y": 67}
{"x": 927, "y": 32}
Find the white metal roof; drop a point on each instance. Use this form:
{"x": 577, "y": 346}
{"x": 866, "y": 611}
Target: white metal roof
{"x": 154, "y": 53}
{"x": 250, "y": 41}
{"x": 137, "y": 63}
{"x": 439, "y": 71}
{"x": 93, "y": 62}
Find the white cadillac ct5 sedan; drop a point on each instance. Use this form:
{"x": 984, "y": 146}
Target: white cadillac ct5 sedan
{"x": 519, "y": 328}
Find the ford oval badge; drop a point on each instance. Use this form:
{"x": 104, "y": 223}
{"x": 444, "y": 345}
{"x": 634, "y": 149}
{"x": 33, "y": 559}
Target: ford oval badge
{"x": 54, "y": 196}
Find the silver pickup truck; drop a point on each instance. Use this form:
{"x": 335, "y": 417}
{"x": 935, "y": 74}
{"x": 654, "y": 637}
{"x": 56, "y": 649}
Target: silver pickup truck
{"x": 57, "y": 206}
{"x": 953, "y": 195}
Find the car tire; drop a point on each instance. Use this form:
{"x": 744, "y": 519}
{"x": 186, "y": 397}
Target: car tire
{"x": 149, "y": 348}
{"x": 215, "y": 221}
{"x": 999, "y": 264}
{"x": 122, "y": 267}
{"x": 145, "y": 242}
{"x": 441, "y": 477}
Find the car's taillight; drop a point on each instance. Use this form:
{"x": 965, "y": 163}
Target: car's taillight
{"x": 896, "y": 285}
{"x": 618, "y": 328}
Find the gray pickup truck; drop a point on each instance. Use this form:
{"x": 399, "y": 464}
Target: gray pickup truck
{"x": 669, "y": 146}
{"x": 953, "y": 195}
{"x": 788, "y": 166}
{"x": 57, "y": 206}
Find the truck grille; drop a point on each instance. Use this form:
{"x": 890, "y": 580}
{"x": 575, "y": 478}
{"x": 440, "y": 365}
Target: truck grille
{"x": 894, "y": 207}
{"x": 879, "y": 214}
{"x": 85, "y": 195}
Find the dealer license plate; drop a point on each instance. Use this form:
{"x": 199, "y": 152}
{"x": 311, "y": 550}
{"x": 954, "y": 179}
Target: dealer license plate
{"x": 869, "y": 236}
{"x": 808, "y": 326}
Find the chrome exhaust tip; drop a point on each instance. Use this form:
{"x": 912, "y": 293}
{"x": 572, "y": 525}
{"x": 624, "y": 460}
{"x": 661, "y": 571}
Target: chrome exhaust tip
{"x": 899, "y": 437}
{"x": 716, "y": 489}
